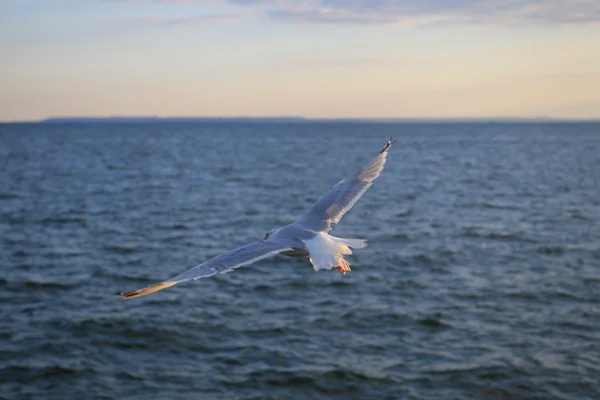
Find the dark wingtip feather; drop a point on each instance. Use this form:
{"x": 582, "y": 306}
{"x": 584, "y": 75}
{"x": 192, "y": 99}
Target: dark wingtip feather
{"x": 388, "y": 145}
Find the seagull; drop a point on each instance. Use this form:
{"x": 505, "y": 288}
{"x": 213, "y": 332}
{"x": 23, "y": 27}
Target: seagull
{"x": 307, "y": 238}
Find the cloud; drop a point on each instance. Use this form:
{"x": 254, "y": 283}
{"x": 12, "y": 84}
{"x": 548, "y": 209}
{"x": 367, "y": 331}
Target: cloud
{"x": 411, "y": 12}
{"x": 351, "y": 61}
{"x": 331, "y": 17}
{"x": 436, "y": 12}
{"x": 189, "y": 21}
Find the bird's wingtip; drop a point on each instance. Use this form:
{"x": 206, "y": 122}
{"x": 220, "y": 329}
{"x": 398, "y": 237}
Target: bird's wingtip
{"x": 388, "y": 145}
{"x": 147, "y": 290}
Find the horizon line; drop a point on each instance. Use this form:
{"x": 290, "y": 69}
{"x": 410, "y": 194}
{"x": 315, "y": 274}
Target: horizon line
{"x": 297, "y": 119}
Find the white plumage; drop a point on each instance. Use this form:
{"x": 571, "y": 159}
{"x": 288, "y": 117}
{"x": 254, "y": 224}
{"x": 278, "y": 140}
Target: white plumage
{"x": 326, "y": 251}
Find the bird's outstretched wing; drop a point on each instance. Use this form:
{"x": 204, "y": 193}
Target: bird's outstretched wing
{"x": 332, "y": 206}
{"x": 219, "y": 265}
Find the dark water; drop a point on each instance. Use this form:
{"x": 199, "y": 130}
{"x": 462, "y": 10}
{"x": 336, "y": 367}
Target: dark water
{"x": 481, "y": 281}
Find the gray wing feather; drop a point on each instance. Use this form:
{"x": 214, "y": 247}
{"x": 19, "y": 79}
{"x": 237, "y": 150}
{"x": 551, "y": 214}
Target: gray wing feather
{"x": 227, "y": 262}
{"x": 332, "y": 206}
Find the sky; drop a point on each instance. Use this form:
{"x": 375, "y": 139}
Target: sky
{"x": 317, "y": 59}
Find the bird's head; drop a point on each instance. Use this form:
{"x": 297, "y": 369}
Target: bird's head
{"x": 269, "y": 234}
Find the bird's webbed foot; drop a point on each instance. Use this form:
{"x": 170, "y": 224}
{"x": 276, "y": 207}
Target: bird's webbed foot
{"x": 342, "y": 269}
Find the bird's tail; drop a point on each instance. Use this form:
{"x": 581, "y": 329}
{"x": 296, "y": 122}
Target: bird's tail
{"x": 326, "y": 252}
{"x": 353, "y": 243}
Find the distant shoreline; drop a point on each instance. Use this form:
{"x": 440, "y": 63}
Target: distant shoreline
{"x": 299, "y": 120}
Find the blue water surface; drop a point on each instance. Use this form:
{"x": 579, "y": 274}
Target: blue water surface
{"x": 481, "y": 279}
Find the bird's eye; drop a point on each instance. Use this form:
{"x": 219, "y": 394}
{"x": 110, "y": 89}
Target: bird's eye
{"x": 266, "y": 236}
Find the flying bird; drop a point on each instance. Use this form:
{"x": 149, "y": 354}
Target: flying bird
{"x": 308, "y": 237}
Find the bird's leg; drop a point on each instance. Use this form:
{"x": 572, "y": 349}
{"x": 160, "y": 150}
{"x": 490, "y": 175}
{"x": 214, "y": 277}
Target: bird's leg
{"x": 340, "y": 269}
{"x": 343, "y": 265}
{"x": 343, "y": 268}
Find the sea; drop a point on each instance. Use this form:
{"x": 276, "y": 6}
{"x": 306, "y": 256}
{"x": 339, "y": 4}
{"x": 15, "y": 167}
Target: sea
{"x": 481, "y": 279}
